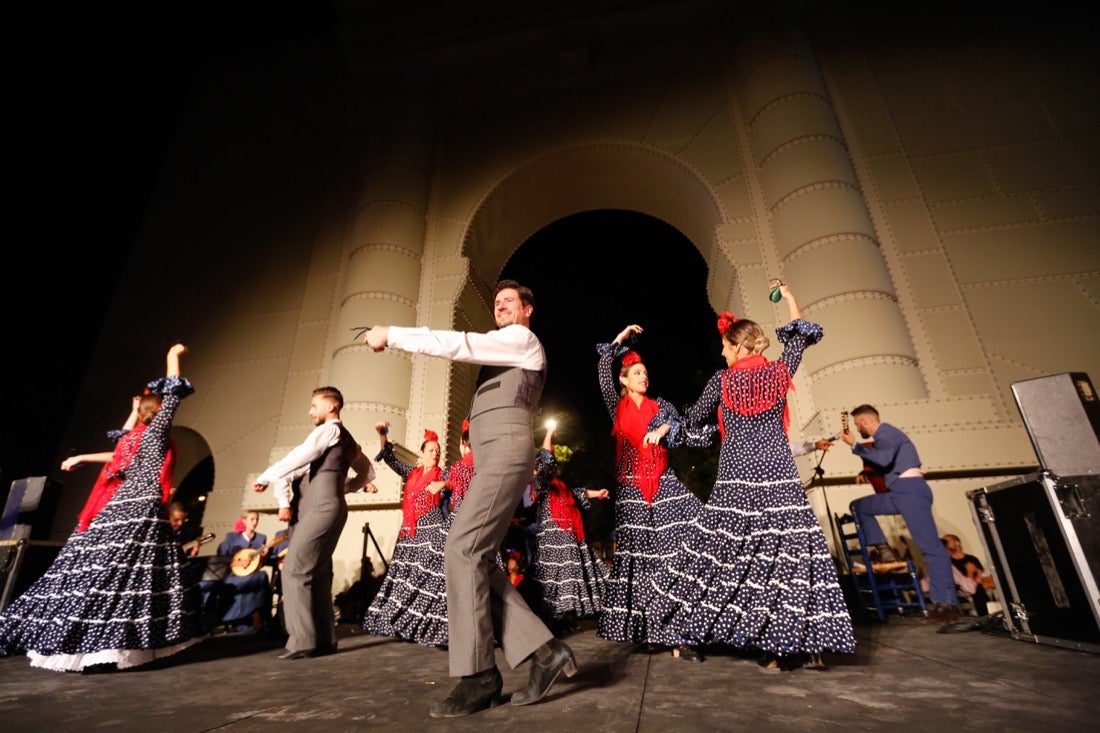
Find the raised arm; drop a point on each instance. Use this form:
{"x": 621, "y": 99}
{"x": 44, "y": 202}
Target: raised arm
{"x": 793, "y": 311}
{"x": 626, "y": 333}
{"x": 382, "y": 427}
{"x": 173, "y": 360}
{"x": 609, "y": 385}
{"x": 131, "y": 421}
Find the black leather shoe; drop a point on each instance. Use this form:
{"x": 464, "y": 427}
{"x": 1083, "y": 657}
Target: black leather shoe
{"x": 559, "y": 658}
{"x": 299, "y": 654}
{"x": 941, "y": 613}
{"x": 323, "y": 651}
{"x": 103, "y": 668}
{"x": 472, "y": 693}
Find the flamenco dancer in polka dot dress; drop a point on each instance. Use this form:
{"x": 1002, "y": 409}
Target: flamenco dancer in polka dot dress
{"x": 118, "y": 594}
{"x": 652, "y": 506}
{"x": 457, "y": 477}
{"x": 115, "y": 464}
{"x": 573, "y": 580}
{"x": 411, "y": 604}
{"x": 754, "y": 570}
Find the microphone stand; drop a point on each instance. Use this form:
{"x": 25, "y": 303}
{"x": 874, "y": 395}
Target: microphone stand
{"x": 817, "y": 475}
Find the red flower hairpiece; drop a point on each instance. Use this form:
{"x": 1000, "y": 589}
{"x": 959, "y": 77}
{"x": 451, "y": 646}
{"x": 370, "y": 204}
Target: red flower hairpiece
{"x": 631, "y": 358}
{"x": 147, "y": 391}
{"x": 465, "y": 426}
{"x": 430, "y": 435}
{"x": 725, "y": 320}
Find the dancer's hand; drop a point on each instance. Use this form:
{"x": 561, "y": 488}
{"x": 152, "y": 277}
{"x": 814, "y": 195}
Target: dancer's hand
{"x": 627, "y": 333}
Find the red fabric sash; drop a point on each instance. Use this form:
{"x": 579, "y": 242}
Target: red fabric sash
{"x": 646, "y": 462}
{"x": 418, "y": 500}
{"x": 564, "y": 510}
{"x": 752, "y": 385}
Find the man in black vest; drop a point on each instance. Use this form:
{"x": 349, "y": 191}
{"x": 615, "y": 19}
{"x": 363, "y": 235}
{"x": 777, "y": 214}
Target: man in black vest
{"x": 323, "y": 459}
{"x": 478, "y": 591}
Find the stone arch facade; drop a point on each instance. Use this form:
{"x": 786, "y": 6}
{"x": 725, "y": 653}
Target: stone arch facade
{"x": 777, "y": 150}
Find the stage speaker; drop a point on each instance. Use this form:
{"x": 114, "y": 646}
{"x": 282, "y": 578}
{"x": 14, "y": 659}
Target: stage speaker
{"x": 30, "y": 508}
{"x": 1062, "y": 416}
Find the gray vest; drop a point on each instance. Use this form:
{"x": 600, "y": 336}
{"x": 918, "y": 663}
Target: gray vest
{"x": 507, "y": 387}
{"x": 337, "y": 458}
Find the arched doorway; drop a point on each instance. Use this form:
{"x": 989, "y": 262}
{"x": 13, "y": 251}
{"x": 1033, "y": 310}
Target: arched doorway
{"x": 194, "y": 474}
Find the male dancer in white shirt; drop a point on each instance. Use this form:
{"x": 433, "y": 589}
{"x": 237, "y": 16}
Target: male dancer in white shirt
{"x": 322, "y": 461}
{"x": 501, "y": 413}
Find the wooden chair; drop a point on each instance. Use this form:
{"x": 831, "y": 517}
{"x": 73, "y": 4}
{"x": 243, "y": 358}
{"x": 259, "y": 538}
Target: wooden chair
{"x": 881, "y": 587}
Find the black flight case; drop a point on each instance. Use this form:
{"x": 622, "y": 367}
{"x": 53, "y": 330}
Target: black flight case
{"x": 1041, "y": 534}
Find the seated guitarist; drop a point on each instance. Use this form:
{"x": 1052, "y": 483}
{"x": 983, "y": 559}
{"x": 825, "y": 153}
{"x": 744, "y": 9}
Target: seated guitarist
{"x": 242, "y": 600}
{"x": 872, "y": 474}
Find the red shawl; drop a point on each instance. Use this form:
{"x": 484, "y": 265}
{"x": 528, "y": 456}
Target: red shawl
{"x": 650, "y": 461}
{"x": 418, "y": 500}
{"x": 563, "y": 508}
{"x": 751, "y": 386}
{"x": 108, "y": 481}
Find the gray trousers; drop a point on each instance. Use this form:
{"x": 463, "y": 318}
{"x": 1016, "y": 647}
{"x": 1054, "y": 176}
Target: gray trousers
{"x": 482, "y": 604}
{"x": 307, "y": 572}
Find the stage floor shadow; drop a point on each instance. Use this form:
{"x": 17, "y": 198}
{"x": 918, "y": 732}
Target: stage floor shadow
{"x": 905, "y": 675}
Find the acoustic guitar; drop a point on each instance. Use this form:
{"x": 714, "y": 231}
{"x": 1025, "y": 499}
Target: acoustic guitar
{"x": 247, "y": 560}
{"x": 874, "y": 477}
{"x": 188, "y": 546}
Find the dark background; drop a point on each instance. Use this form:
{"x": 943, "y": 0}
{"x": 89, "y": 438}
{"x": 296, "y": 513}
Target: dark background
{"x": 93, "y": 96}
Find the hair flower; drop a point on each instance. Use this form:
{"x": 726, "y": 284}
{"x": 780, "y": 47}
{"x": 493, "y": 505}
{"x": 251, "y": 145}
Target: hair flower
{"x": 725, "y": 320}
{"x": 430, "y": 435}
{"x": 631, "y": 358}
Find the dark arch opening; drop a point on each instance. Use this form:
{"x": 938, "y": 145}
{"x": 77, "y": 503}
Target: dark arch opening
{"x": 592, "y": 274}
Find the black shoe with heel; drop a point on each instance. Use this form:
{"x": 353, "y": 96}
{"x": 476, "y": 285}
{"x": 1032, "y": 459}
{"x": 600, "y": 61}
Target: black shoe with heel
{"x": 472, "y": 693}
{"x": 687, "y": 653}
{"x": 556, "y": 658}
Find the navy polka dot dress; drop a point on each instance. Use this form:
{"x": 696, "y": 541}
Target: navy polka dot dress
{"x": 645, "y": 533}
{"x": 572, "y": 579}
{"x": 753, "y": 570}
{"x": 118, "y": 592}
{"x": 411, "y": 603}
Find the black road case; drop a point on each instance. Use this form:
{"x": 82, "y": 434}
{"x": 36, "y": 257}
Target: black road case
{"x": 1041, "y": 533}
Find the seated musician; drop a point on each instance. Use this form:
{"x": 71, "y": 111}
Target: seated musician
{"x": 242, "y": 600}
